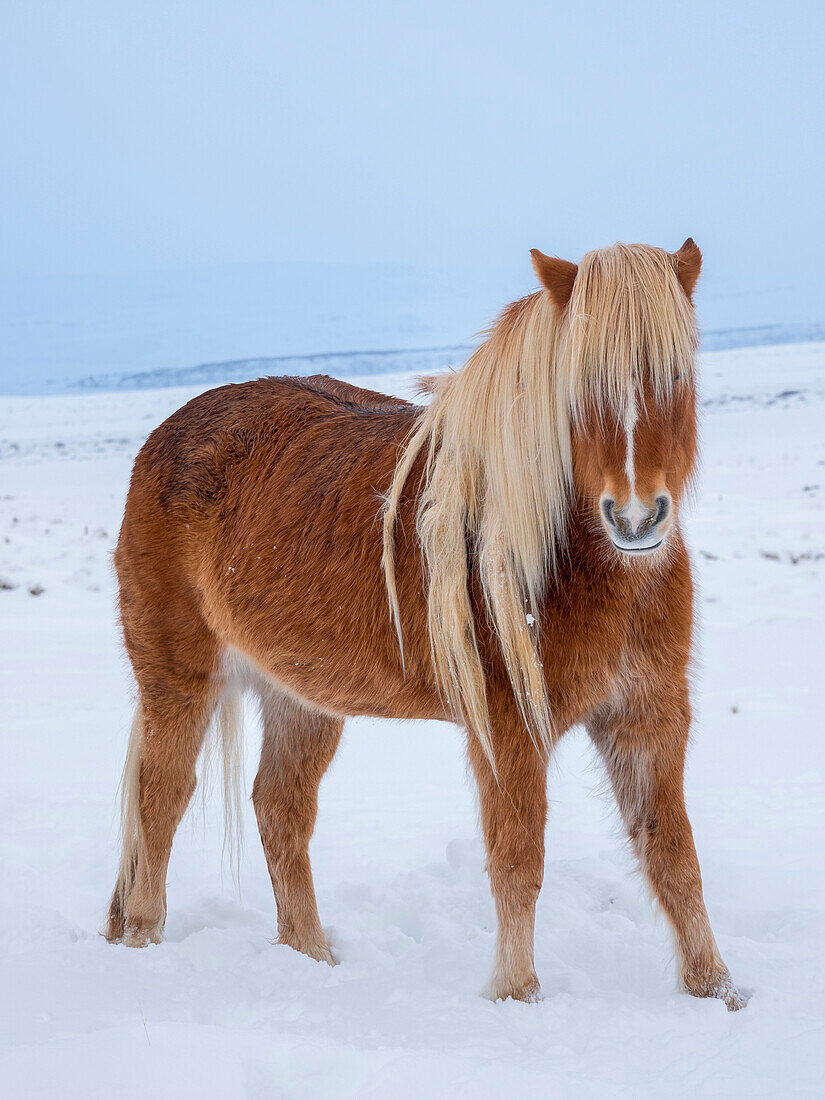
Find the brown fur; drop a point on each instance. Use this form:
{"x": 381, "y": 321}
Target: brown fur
{"x": 251, "y": 553}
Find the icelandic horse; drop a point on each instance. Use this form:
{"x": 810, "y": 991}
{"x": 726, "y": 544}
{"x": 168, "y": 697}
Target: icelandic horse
{"x": 507, "y": 557}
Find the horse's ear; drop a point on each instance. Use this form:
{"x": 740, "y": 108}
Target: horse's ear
{"x": 556, "y": 276}
{"x": 688, "y": 265}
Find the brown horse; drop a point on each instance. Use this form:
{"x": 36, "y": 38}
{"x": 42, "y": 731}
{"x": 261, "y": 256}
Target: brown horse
{"x": 531, "y": 576}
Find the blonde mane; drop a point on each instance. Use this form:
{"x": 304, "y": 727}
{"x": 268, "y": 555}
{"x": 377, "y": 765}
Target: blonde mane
{"x": 498, "y": 473}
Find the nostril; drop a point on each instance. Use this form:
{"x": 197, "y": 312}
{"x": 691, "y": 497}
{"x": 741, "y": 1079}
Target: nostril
{"x": 663, "y": 506}
{"x": 607, "y": 510}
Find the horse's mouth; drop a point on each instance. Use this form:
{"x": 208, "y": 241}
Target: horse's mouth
{"x": 638, "y": 550}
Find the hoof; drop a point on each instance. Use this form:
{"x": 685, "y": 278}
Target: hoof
{"x": 321, "y": 952}
{"x": 734, "y": 998}
{"x": 501, "y": 989}
{"x": 141, "y": 937}
{"x": 324, "y": 955}
{"x": 721, "y": 988}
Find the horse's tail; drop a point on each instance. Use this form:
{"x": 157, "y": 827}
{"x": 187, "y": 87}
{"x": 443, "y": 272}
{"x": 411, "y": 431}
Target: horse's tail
{"x": 130, "y": 832}
{"x": 225, "y": 738}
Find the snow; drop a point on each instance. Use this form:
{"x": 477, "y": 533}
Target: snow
{"x": 219, "y": 1011}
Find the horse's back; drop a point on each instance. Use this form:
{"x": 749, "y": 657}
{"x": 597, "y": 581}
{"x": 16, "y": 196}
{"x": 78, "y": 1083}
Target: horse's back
{"x": 187, "y": 462}
{"x": 349, "y": 396}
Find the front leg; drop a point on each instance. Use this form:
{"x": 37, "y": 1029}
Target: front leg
{"x": 642, "y": 742}
{"x": 513, "y": 815}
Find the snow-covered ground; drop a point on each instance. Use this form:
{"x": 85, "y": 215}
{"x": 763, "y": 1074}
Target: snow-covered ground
{"x": 218, "y": 1011}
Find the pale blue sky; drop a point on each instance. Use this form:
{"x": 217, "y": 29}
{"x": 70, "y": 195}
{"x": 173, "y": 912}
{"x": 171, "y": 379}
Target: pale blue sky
{"x": 160, "y": 136}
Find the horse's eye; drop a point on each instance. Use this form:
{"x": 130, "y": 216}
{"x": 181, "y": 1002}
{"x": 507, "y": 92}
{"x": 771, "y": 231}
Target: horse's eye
{"x": 677, "y": 378}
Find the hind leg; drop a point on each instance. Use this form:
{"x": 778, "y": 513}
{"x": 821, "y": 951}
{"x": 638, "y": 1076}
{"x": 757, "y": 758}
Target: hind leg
{"x": 298, "y": 746}
{"x": 172, "y": 728}
{"x": 175, "y": 661}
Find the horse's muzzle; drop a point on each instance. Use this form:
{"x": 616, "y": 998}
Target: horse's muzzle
{"x": 637, "y": 528}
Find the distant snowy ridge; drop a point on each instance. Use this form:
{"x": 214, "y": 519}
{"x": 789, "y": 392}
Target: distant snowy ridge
{"x": 351, "y": 364}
